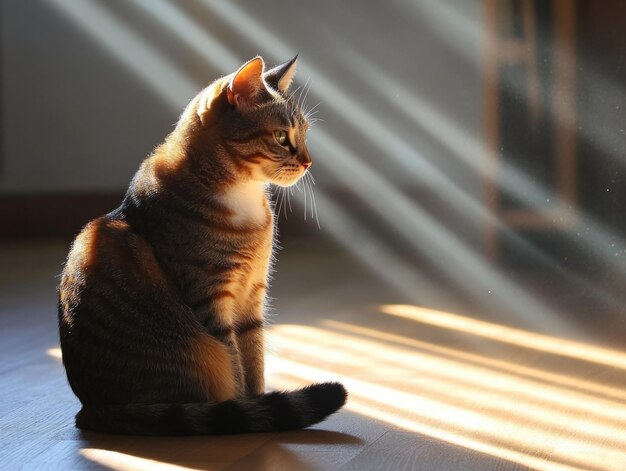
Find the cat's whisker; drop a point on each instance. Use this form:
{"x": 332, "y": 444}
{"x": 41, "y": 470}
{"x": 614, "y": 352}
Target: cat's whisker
{"x": 305, "y": 192}
{"x": 309, "y": 116}
{"x": 281, "y": 198}
{"x": 300, "y": 101}
{"x": 289, "y": 193}
{"x": 312, "y": 196}
{"x": 307, "y": 196}
{"x": 291, "y": 102}
{"x": 311, "y": 121}
{"x": 306, "y": 94}
{"x": 285, "y": 200}
{"x": 317, "y": 218}
{"x": 313, "y": 202}
{"x": 280, "y": 193}
{"x": 313, "y": 109}
{"x": 292, "y": 94}
{"x": 311, "y": 112}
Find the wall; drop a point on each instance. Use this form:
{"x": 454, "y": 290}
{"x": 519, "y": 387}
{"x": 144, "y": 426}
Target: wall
{"x": 78, "y": 116}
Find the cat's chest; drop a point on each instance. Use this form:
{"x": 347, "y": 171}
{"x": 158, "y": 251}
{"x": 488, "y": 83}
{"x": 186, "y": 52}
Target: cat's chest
{"x": 246, "y": 204}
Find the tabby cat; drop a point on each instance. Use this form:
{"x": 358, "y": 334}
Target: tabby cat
{"x": 162, "y": 300}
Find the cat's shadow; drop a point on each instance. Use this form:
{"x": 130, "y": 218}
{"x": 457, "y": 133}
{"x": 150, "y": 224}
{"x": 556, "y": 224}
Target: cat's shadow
{"x": 285, "y": 450}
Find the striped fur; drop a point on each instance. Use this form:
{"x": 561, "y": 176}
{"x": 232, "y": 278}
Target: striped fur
{"x": 276, "y": 411}
{"x": 161, "y": 301}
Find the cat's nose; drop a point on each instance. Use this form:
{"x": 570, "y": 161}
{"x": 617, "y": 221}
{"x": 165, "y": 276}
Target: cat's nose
{"x": 306, "y": 164}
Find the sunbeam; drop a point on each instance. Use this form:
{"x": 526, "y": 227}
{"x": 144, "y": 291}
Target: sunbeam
{"x": 460, "y": 264}
{"x": 123, "y": 461}
{"x": 509, "y": 367}
{"x": 502, "y": 333}
{"x": 579, "y": 226}
{"x": 519, "y": 396}
{"x": 169, "y": 84}
{"x": 54, "y": 353}
{"x": 403, "y": 277}
{"x": 213, "y": 52}
{"x": 525, "y": 421}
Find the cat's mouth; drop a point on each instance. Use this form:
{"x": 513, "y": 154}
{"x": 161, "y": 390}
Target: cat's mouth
{"x": 289, "y": 175}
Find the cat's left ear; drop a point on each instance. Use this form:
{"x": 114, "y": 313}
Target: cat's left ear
{"x": 281, "y": 77}
{"x": 247, "y": 83}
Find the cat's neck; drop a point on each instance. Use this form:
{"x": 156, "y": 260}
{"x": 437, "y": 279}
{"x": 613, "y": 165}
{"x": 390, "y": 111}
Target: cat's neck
{"x": 175, "y": 164}
{"x": 247, "y": 201}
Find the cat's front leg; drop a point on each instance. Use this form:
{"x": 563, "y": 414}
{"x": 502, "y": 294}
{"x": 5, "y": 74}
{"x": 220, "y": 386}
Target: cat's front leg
{"x": 219, "y": 324}
{"x": 251, "y": 343}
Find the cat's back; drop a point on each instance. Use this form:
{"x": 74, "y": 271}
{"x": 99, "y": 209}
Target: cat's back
{"x": 106, "y": 245}
{"x": 107, "y": 259}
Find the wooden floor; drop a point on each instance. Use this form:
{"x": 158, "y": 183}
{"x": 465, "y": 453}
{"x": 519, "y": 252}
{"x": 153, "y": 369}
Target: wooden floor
{"x": 429, "y": 390}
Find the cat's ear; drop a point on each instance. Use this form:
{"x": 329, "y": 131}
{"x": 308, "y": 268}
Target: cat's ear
{"x": 281, "y": 76}
{"x": 247, "y": 83}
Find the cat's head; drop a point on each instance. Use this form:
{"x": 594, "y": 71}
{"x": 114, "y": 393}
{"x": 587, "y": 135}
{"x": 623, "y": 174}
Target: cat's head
{"x": 260, "y": 123}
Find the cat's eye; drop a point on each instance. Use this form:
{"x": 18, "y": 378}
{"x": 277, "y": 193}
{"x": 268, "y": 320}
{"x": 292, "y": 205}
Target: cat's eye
{"x": 280, "y": 136}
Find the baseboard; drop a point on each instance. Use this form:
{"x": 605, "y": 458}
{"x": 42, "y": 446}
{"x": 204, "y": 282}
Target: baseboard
{"x": 51, "y": 215}
{"x": 36, "y": 216}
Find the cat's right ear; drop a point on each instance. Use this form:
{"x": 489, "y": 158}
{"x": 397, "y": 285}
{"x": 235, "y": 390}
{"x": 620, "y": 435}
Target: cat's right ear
{"x": 247, "y": 83}
{"x": 281, "y": 76}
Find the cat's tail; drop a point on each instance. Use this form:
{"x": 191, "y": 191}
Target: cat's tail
{"x": 272, "y": 412}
